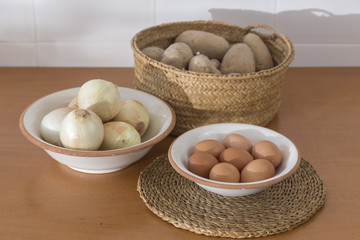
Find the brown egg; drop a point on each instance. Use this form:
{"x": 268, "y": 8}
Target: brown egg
{"x": 257, "y": 170}
{"x": 201, "y": 163}
{"x": 267, "y": 150}
{"x": 212, "y": 146}
{"x": 238, "y": 141}
{"x": 236, "y": 156}
{"x": 225, "y": 172}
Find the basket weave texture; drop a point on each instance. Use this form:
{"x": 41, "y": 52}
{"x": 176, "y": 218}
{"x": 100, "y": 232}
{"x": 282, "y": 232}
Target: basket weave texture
{"x": 278, "y": 209}
{"x": 202, "y": 98}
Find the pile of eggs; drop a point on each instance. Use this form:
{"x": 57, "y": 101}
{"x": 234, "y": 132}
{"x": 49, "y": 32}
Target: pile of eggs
{"x": 235, "y": 159}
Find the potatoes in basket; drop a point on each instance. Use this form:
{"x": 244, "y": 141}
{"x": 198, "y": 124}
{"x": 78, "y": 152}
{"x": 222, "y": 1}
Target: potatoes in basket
{"x": 206, "y": 52}
{"x": 239, "y": 59}
{"x": 209, "y": 44}
{"x": 201, "y": 63}
{"x": 261, "y": 52}
{"x": 154, "y": 52}
{"x": 215, "y": 63}
{"x": 177, "y": 55}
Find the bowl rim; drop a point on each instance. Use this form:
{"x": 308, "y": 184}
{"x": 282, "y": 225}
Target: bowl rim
{"x": 103, "y": 153}
{"x": 224, "y": 185}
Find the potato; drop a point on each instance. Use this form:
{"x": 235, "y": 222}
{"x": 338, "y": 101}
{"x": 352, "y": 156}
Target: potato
{"x": 262, "y": 54}
{"x": 177, "y": 55}
{"x": 239, "y": 59}
{"x": 206, "y": 43}
{"x": 216, "y": 63}
{"x": 153, "y": 52}
{"x": 201, "y": 63}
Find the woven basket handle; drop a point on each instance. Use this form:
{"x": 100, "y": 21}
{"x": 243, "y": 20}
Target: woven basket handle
{"x": 250, "y": 27}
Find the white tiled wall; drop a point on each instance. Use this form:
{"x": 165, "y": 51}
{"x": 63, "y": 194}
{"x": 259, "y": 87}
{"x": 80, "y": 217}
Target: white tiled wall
{"x": 97, "y": 33}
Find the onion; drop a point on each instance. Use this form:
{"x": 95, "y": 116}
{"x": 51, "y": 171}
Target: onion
{"x": 82, "y": 129}
{"x": 119, "y": 135}
{"x": 51, "y": 123}
{"x": 135, "y": 113}
{"x": 101, "y": 97}
{"x": 74, "y": 103}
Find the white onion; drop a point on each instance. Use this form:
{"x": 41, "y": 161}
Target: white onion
{"x": 51, "y": 123}
{"x": 134, "y": 113}
{"x": 74, "y": 103}
{"x": 119, "y": 135}
{"x": 82, "y": 129}
{"x": 101, "y": 97}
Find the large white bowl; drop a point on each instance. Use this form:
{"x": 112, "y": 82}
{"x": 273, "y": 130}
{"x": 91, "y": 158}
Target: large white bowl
{"x": 162, "y": 121}
{"x": 180, "y": 151}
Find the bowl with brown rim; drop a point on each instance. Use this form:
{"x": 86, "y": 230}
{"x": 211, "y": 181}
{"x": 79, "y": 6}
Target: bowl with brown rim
{"x": 162, "y": 121}
{"x": 181, "y": 149}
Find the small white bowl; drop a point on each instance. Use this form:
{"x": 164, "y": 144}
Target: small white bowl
{"x": 162, "y": 122}
{"x": 180, "y": 151}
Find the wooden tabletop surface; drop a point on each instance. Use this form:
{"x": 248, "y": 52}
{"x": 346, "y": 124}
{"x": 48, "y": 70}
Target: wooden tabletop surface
{"x": 42, "y": 199}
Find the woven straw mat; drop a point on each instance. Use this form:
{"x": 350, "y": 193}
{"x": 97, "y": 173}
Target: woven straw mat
{"x": 280, "y": 208}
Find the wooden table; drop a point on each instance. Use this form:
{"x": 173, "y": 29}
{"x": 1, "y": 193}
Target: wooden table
{"x": 42, "y": 199}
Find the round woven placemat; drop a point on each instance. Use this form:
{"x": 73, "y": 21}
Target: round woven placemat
{"x": 280, "y": 208}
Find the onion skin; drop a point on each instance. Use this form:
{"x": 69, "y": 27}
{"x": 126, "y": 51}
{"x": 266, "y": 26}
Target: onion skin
{"x": 82, "y": 129}
{"x": 74, "y": 103}
{"x": 135, "y": 113}
{"x": 118, "y": 135}
{"x": 51, "y": 124}
{"x": 101, "y": 97}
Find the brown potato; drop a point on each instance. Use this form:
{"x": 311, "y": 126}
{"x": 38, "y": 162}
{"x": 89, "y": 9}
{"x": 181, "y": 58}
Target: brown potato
{"x": 239, "y": 59}
{"x": 177, "y": 55}
{"x": 216, "y": 63}
{"x": 153, "y": 52}
{"x": 209, "y": 44}
{"x": 201, "y": 63}
{"x": 262, "y": 54}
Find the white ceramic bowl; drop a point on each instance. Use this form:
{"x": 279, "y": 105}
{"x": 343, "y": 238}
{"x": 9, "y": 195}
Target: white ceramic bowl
{"x": 181, "y": 148}
{"x": 162, "y": 121}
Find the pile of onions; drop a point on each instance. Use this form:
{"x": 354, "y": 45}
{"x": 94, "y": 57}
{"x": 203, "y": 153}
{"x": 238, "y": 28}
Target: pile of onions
{"x": 96, "y": 119}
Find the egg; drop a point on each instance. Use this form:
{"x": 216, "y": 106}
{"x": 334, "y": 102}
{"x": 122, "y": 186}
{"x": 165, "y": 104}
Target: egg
{"x": 236, "y": 156}
{"x": 267, "y": 150}
{"x": 201, "y": 163}
{"x": 257, "y": 170}
{"x": 225, "y": 172}
{"x": 238, "y": 141}
{"x": 212, "y": 146}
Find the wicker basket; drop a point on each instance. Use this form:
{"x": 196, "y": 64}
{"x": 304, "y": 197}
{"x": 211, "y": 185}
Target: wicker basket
{"x": 202, "y": 98}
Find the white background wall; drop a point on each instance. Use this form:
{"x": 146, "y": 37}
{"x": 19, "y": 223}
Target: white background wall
{"x": 97, "y": 33}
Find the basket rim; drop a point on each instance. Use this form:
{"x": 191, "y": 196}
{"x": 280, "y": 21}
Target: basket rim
{"x": 267, "y": 72}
